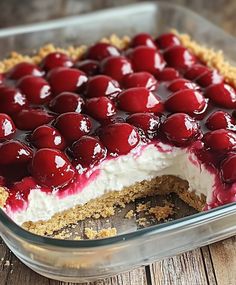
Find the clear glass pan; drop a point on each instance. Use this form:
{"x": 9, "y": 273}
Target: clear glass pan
{"x": 80, "y": 261}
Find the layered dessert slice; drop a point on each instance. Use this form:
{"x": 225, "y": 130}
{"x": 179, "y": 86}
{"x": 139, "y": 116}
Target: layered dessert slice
{"x": 85, "y": 129}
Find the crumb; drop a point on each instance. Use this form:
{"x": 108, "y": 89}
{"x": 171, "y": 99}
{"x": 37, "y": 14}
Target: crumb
{"x": 77, "y": 238}
{"x": 3, "y": 196}
{"x": 142, "y": 207}
{"x": 7, "y": 263}
{"x": 93, "y": 234}
{"x": 63, "y": 234}
{"x": 162, "y": 212}
{"x": 129, "y": 215}
{"x": 96, "y": 216}
{"x": 142, "y": 222}
{"x": 90, "y": 233}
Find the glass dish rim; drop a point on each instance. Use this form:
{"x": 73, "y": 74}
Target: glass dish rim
{"x": 161, "y": 228}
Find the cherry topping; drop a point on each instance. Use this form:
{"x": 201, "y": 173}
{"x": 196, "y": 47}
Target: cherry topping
{"x": 179, "y": 57}
{"x": 165, "y": 41}
{"x": 147, "y": 122}
{"x": 47, "y": 137}
{"x": 186, "y": 101}
{"x": 208, "y": 78}
{"x": 222, "y": 94}
{"x": 74, "y": 79}
{"x": 145, "y": 58}
{"x": 167, "y": 74}
{"x": 100, "y": 107}
{"x": 102, "y": 85}
{"x": 56, "y": 59}
{"x": 228, "y": 169}
{"x": 66, "y": 102}
{"x": 73, "y": 125}
{"x": 14, "y": 152}
{"x": 22, "y": 69}
{"x": 36, "y": 89}
{"x": 119, "y": 138}
{"x": 88, "y": 66}
{"x": 143, "y": 39}
{"x": 220, "y": 120}
{"x": 181, "y": 83}
{"x": 88, "y": 151}
{"x": 116, "y": 67}
{"x": 29, "y": 119}
{"x": 220, "y": 140}
{"x": 140, "y": 79}
{"x": 100, "y": 51}
{"x": 11, "y": 100}
{"x": 180, "y": 129}
{"x": 52, "y": 168}
{"x": 7, "y": 127}
{"x": 196, "y": 71}
{"x": 139, "y": 99}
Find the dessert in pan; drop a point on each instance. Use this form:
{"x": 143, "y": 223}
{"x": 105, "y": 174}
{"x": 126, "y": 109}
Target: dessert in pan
{"x": 85, "y": 129}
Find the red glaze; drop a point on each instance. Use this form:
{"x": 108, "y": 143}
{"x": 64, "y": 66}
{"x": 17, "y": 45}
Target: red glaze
{"x": 88, "y": 66}
{"x": 208, "y": 78}
{"x": 168, "y": 40}
{"x": 50, "y": 167}
{"x": 75, "y": 79}
{"x": 11, "y": 100}
{"x": 88, "y": 151}
{"x": 116, "y": 67}
{"x": 100, "y": 108}
{"x": 181, "y": 83}
{"x": 47, "y": 137}
{"x": 119, "y": 138}
{"x": 222, "y": 95}
{"x": 186, "y": 101}
{"x": 167, "y": 74}
{"x": 7, "y": 127}
{"x": 180, "y": 129}
{"x": 139, "y": 99}
{"x": 143, "y": 39}
{"x": 179, "y": 57}
{"x": 140, "y": 79}
{"x": 66, "y": 102}
{"x": 36, "y": 89}
{"x": 196, "y": 71}
{"x": 148, "y": 59}
{"x": 102, "y": 85}
{"x": 22, "y": 69}
{"x": 228, "y": 169}
{"x": 56, "y": 59}
{"x": 220, "y": 120}
{"x": 73, "y": 126}
{"x": 100, "y": 51}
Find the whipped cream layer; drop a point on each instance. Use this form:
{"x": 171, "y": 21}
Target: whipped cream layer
{"x": 142, "y": 163}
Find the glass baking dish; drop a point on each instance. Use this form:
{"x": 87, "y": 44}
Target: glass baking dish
{"x": 86, "y": 260}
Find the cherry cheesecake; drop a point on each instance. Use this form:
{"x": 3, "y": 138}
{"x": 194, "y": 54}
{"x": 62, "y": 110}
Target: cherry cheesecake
{"x": 85, "y": 129}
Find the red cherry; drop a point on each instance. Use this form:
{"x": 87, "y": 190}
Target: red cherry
{"x": 88, "y": 151}
{"x": 119, "y": 138}
{"x": 14, "y": 152}
{"x": 56, "y": 59}
{"x": 29, "y": 119}
{"x": 228, "y": 169}
{"x": 143, "y": 39}
{"x": 181, "y": 84}
{"x": 7, "y": 127}
{"x": 149, "y": 123}
{"x": 88, "y": 66}
{"x": 220, "y": 140}
{"x": 167, "y": 74}
{"x": 102, "y": 85}
{"x": 140, "y": 79}
{"x": 36, "y": 89}
{"x": 139, "y": 99}
{"x": 74, "y": 79}
{"x": 208, "y": 78}
{"x": 180, "y": 129}
{"x": 165, "y": 41}
{"x": 66, "y": 102}
{"x": 100, "y": 108}
{"x": 187, "y": 101}
{"x": 99, "y": 51}
{"x": 145, "y": 58}
{"x": 179, "y": 57}
{"x": 220, "y": 120}
{"x": 47, "y": 137}
{"x": 11, "y": 100}
{"x": 73, "y": 125}
{"x": 50, "y": 167}
{"x": 116, "y": 67}
{"x": 22, "y": 69}
{"x": 196, "y": 71}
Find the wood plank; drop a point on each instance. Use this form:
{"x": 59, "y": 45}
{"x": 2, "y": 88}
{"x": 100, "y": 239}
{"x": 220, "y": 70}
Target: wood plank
{"x": 209, "y": 268}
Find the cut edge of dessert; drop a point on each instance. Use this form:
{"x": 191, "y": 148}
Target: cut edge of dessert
{"x": 170, "y": 178}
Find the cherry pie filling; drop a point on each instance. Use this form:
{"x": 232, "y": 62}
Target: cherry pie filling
{"x": 61, "y": 119}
